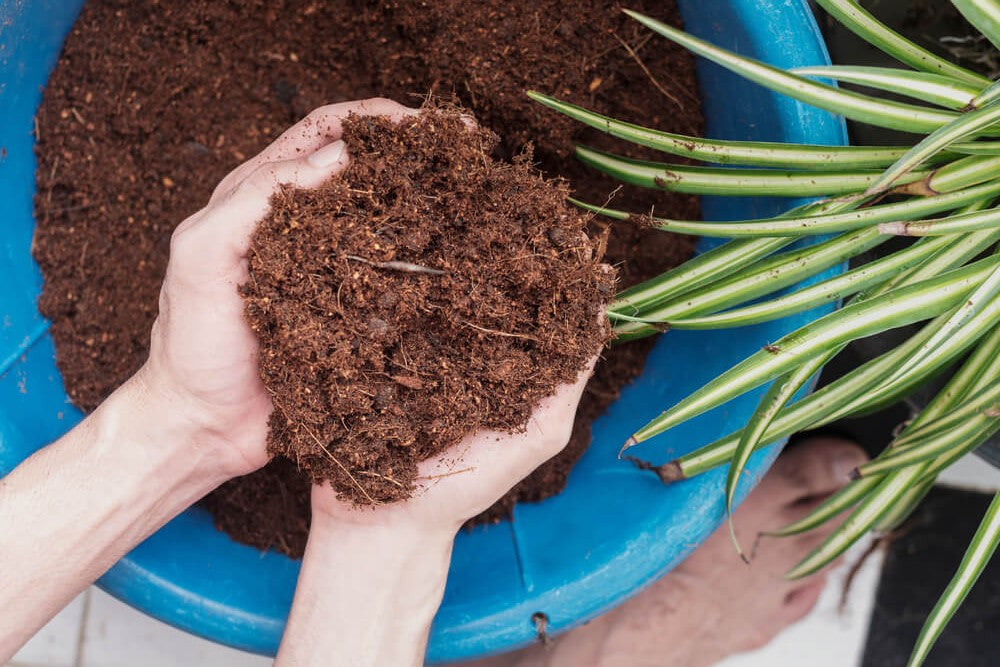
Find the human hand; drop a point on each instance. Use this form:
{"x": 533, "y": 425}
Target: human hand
{"x": 381, "y": 571}
{"x": 467, "y": 478}
{"x": 202, "y": 365}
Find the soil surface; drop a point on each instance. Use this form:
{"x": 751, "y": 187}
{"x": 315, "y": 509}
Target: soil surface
{"x": 426, "y": 293}
{"x": 153, "y": 102}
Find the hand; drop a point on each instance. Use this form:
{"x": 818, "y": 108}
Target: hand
{"x": 469, "y": 477}
{"x": 203, "y": 356}
{"x": 380, "y": 572}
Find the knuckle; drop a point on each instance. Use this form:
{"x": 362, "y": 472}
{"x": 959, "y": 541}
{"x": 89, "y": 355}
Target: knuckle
{"x": 262, "y": 180}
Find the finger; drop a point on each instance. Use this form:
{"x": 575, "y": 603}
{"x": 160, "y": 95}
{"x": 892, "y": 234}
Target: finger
{"x": 502, "y": 459}
{"x": 215, "y": 242}
{"x": 322, "y": 126}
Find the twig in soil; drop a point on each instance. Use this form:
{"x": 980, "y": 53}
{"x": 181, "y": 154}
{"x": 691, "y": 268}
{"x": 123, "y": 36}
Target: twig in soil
{"x": 372, "y": 473}
{"x": 642, "y": 65}
{"x": 446, "y": 474}
{"x": 500, "y": 333}
{"x": 342, "y": 466}
{"x": 83, "y": 259}
{"x": 405, "y": 267}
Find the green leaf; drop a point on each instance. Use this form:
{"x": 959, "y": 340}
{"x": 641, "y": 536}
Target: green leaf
{"x": 959, "y": 440}
{"x": 763, "y": 277}
{"x": 731, "y": 181}
{"x": 974, "y": 376}
{"x": 813, "y": 224}
{"x": 897, "y": 308}
{"x": 980, "y": 550}
{"x": 862, "y": 108}
{"x": 981, "y": 307}
{"x": 872, "y": 507}
{"x": 809, "y": 225}
{"x": 969, "y": 124}
{"x": 815, "y": 407}
{"x": 780, "y": 392}
{"x": 934, "y": 88}
{"x": 831, "y": 507}
{"x": 963, "y": 173}
{"x": 988, "y": 220}
{"x": 984, "y": 15}
{"x": 988, "y": 96}
{"x": 970, "y": 408}
{"x": 964, "y": 248}
{"x": 750, "y": 153}
{"x": 886, "y": 392}
{"x": 853, "y": 281}
{"x": 854, "y": 392}
{"x": 849, "y": 14}
{"x": 904, "y": 506}
{"x": 976, "y": 147}
{"x": 710, "y": 265}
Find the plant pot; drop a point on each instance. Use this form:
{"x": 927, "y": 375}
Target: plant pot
{"x": 614, "y": 530}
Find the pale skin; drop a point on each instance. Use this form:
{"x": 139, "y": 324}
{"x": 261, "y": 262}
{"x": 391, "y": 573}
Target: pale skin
{"x": 195, "y": 416}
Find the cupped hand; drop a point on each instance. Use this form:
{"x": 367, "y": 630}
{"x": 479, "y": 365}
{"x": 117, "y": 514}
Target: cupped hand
{"x": 202, "y": 365}
{"x": 469, "y": 477}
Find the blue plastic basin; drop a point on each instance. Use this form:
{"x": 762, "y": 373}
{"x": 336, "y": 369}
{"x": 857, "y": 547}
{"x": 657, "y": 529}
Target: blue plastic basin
{"x": 611, "y": 532}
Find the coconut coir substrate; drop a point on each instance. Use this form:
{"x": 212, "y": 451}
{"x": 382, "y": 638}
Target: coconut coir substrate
{"x": 153, "y": 102}
{"x": 426, "y": 293}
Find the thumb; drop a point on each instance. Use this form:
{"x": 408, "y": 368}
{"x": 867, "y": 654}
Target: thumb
{"x": 229, "y": 223}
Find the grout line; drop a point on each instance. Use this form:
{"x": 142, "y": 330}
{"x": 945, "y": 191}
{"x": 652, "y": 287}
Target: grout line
{"x": 82, "y": 634}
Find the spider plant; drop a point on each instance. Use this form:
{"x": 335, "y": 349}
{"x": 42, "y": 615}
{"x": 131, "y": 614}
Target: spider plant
{"x": 942, "y": 190}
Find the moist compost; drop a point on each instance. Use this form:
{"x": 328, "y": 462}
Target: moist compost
{"x": 153, "y": 102}
{"x": 426, "y": 293}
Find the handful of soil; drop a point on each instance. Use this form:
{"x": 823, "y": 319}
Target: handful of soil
{"x": 427, "y": 292}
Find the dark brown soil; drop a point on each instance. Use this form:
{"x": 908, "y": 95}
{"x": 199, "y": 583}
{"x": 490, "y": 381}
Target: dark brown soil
{"x": 426, "y": 293}
{"x": 153, "y": 102}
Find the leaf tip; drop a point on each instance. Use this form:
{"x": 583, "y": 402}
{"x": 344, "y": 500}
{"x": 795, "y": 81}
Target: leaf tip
{"x": 631, "y": 442}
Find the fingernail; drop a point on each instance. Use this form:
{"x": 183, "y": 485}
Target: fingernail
{"x": 327, "y": 155}
{"x": 843, "y": 465}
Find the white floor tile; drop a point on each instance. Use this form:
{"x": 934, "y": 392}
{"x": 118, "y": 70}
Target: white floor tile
{"x": 55, "y": 644}
{"x": 828, "y": 636}
{"x": 118, "y": 636}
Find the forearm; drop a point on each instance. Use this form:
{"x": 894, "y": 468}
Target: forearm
{"x": 77, "y": 506}
{"x": 366, "y": 596}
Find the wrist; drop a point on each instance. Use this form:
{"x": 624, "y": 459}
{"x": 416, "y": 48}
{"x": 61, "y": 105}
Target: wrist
{"x": 383, "y": 581}
{"x": 176, "y": 423}
{"x": 152, "y": 431}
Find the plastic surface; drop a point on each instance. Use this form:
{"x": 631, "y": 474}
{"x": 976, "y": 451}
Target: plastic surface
{"x": 611, "y": 532}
